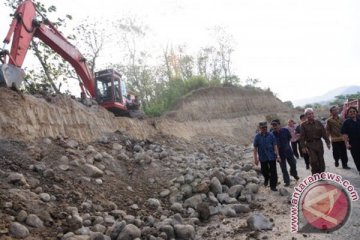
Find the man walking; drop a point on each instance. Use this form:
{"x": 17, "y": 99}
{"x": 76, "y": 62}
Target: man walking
{"x": 283, "y": 138}
{"x": 333, "y": 128}
{"x": 351, "y": 134}
{"x": 302, "y": 154}
{"x": 311, "y": 133}
{"x": 266, "y": 152}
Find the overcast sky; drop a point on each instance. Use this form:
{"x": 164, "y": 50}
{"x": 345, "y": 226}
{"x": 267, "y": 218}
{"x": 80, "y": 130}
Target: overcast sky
{"x": 299, "y": 49}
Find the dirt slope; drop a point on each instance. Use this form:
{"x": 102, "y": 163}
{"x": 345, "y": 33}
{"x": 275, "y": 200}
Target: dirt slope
{"x": 225, "y": 113}
{"x": 28, "y": 117}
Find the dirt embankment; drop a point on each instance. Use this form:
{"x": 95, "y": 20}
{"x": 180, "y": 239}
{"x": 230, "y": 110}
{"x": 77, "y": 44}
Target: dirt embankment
{"x": 25, "y": 117}
{"x": 229, "y": 114}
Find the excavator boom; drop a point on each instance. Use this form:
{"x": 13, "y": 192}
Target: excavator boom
{"x": 107, "y": 87}
{"x": 23, "y": 28}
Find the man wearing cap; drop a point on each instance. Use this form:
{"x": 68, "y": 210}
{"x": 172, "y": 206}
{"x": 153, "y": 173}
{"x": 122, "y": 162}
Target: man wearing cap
{"x": 333, "y": 129}
{"x": 283, "y": 138}
{"x": 266, "y": 152}
{"x": 311, "y": 132}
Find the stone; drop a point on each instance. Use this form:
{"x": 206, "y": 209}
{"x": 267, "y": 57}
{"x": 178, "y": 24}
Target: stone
{"x": 235, "y": 191}
{"x": 202, "y": 187}
{"x": 153, "y": 203}
{"x": 219, "y": 175}
{"x": 64, "y": 167}
{"x": 134, "y": 207}
{"x": 45, "y": 197}
{"x": 169, "y": 230}
{"x": 98, "y": 236}
{"x": 93, "y": 171}
{"x": 117, "y": 146}
{"x": 222, "y": 196}
{"x": 240, "y": 208}
{"x": 98, "y": 157}
{"x": 184, "y": 231}
{"x": 252, "y": 187}
{"x": 228, "y": 211}
{"x": 165, "y": 193}
{"x": 74, "y": 222}
{"x": 72, "y": 144}
{"x": 116, "y": 228}
{"x": 21, "y": 216}
{"x": 234, "y": 180}
{"x": 284, "y": 192}
{"x": 215, "y": 186}
{"x": 16, "y": 178}
{"x": 193, "y": 201}
{"x": 18, "y": 230}
{"x": 186, "y": 189}
{"x": 177, "y": 207}
{"x": 258, "y": 222}
{"x": 203, "y": 211}
{"x": 34, "y": 221}
{"x": 130, "y": 231}
{"x": 99, "y": 228}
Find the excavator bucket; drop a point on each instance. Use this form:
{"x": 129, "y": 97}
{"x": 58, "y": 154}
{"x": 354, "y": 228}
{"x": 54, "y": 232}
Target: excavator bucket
{"x": 11, "y": 76}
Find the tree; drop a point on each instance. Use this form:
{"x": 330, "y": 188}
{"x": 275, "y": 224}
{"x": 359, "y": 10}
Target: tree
{"x": 134, "y": 64}
{"x": 53, "y": 69}
{"x": 289, "y": 103}
{"x": 225, "y": 49}
{"x": 91, "y": 37}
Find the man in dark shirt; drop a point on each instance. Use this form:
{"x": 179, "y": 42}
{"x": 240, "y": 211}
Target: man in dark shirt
{"x": 265, "y": 150}
{"x": 351, "y": 134}
{"x": 311, "y": 133}
{"x": 303, "y": 154}
{"x": 283, "y": 138}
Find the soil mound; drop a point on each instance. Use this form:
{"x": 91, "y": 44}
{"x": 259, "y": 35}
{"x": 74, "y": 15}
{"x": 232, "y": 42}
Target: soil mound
{"x": 226, "y": 103}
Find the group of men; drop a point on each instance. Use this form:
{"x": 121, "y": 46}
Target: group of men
{"x": 274, "y": 146}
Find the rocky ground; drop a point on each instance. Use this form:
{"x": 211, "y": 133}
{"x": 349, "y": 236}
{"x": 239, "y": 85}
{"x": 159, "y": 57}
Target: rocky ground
{"x": 122, "y": 188}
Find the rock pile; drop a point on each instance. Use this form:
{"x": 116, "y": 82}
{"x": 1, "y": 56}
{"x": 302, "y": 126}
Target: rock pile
{"x": 120, "y": 188}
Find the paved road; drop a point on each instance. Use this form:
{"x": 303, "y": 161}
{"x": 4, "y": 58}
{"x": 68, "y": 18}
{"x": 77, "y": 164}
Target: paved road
{"x": 351, "y": 230}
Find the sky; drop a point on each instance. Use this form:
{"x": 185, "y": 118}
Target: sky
{"x": 299, "y": 49}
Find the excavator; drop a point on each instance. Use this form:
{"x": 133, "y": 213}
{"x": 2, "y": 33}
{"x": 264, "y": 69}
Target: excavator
{"x": 106, "y": 87}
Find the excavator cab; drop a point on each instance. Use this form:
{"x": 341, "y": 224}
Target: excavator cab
{"x": 111, "y": 91}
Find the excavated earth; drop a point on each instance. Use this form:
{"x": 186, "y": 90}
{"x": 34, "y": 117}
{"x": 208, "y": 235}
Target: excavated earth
{"x": 68, "y": 171}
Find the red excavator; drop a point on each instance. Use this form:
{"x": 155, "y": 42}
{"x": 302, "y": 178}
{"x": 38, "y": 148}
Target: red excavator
{"x": 106, "y": 87}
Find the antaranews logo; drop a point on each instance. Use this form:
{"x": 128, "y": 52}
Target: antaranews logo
{"x": 321, "y": 203}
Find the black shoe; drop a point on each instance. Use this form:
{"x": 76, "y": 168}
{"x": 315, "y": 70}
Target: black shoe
{"x": 287, "y": 184}
{"x": 336, "y": 164}
{"x": 307, "y": 167}
{"x": 346, "y": 167}
{"x": 266, "y": 182}
{"x": 273, "y": 189}
{"x": 297, "y": 178}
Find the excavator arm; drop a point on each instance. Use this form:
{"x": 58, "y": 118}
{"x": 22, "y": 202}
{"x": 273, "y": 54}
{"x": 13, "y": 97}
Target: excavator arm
{"x": 22, "y": 30}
